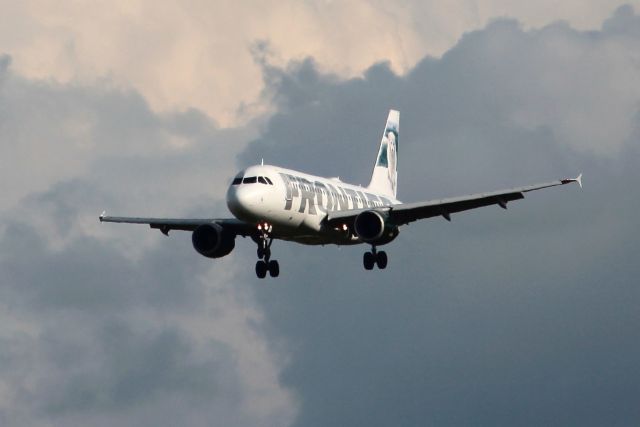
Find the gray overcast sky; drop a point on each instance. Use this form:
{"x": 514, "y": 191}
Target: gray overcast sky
{"x": 523, "y": 317}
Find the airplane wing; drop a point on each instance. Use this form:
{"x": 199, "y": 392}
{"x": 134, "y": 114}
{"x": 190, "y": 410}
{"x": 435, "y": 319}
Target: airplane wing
{"x": 167, "y": 224}
{"x": 407, "y": 212}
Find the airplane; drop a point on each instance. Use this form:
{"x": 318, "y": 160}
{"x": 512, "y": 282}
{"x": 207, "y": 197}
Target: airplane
{"x": 269, "y": 202}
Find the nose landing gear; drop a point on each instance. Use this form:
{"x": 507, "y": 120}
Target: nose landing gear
{"x": 374, "y": 257}
{"x": 265, "y": 263}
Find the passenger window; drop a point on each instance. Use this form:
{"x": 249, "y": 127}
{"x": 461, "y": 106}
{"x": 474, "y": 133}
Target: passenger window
{"x": 250, "y": 180}
{"x": 261, "y": 180}
{"x": 237, "y": 181}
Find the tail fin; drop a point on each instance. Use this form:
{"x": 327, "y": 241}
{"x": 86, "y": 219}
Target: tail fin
{"x": 384, "y": 179}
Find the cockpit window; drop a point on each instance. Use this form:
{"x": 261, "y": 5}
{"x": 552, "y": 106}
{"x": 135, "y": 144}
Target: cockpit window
{"x": 251, "y": 180}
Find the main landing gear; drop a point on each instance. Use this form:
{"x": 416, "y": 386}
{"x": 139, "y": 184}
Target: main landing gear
{"x": 374, "y": 257}
{"x": 265, "y": 263}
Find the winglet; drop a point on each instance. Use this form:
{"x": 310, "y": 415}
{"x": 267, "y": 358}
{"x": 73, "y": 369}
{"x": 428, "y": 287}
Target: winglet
{"x": 577, "y": 179}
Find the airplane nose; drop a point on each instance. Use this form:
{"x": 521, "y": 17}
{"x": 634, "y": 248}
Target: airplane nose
{"x": 242, "y": 201}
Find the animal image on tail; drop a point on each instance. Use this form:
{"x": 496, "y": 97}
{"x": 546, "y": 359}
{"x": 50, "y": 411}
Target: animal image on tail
{"x": 384, "y": 178}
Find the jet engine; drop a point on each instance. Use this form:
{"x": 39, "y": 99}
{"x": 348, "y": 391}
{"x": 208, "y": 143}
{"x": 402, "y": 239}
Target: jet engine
{"x": 213, "y": 241}
{"x": 371, "y": 227}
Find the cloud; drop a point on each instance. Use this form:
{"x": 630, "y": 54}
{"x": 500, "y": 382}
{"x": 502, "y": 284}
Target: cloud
{"x": 112, "y": 325}
{"x": 521, "y": 317}
{"x": 92, "y": 337}
{"x": 499, "y": 318}
{"x": 197, "y": 54}
{"x": 543, "y": 86}
{"x": 53, "y": 133}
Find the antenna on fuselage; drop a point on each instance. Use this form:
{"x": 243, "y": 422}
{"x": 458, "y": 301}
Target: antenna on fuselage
{"x": 262, "y": 162}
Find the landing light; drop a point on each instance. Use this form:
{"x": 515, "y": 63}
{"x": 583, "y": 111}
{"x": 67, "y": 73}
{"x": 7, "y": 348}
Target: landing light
{"x": 265, "y": 226}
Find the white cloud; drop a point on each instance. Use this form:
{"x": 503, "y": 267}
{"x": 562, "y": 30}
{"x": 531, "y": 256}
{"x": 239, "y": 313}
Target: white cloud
{"x": 197, "y": 54}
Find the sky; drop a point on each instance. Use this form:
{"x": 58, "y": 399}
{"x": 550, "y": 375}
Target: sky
{"x": 520, "y": 317}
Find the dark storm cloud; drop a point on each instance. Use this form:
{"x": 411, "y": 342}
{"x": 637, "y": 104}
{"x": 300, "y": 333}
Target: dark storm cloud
{"x": 136, "y": 367}
{"x": 92, "y": 357}
{"x": 523, "y": 317}
{"x": 88, "y": 274}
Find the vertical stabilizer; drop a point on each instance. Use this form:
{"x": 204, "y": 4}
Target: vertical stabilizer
{"x": 384, "y": 179}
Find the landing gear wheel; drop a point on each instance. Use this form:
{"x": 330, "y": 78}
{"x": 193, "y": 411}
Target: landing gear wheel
{"x": 264, "y": 238}
{"x": 368, "y": 260}
{"x": 274, "y": 268}
{"x": 381, "y": 260}
{"x": 261, "y": 269}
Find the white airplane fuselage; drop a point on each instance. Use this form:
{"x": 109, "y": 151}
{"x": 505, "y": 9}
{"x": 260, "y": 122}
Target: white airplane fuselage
{"x": 295, "y": 203}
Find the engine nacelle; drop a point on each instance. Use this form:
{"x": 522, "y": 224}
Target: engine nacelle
{"x": 213, "y": 241}
{"x": 370, "y": 227}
